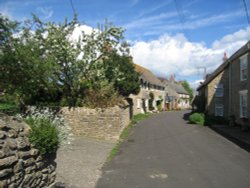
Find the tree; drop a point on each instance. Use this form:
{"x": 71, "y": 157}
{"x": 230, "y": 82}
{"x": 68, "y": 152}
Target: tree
{"x": 120, "y": 70}
{"x": 7, "y": 28}
{"x": 24, "y": 72}
{"x": 187, "y": 87}
{"x": 44, "y": 63}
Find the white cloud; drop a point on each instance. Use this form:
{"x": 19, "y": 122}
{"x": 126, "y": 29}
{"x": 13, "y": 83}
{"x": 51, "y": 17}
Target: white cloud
{"x": 196, "y": 83}
{"x": 176, "y": 55}
{"x": 233, "y": 40}
{"x": 79, "y": 29}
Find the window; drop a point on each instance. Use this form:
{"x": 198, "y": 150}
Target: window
{"x": 243, "y": 103}
{"x": 243, "y": 67}
{"x": 219, "y": 110}
{"x": 219, "y": 90}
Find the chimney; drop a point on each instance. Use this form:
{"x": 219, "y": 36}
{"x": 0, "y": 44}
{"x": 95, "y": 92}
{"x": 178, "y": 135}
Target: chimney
{"x": 225, "y": 57}
{"x": 171, "y": 79}
{"x": 207, "y": 76}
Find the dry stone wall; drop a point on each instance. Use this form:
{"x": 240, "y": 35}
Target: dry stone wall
{"x": 97, "y": 123}
{"x": 20, "y": 163}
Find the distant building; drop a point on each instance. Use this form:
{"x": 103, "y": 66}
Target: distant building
{"x": 176, "y": 96}
{"x": 150, "y": 86}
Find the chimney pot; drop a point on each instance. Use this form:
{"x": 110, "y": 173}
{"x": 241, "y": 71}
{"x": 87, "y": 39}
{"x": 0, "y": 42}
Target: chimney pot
{"x": 225, "y": 57}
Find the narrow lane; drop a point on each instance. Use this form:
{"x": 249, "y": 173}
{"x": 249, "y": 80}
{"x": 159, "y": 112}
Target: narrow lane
{"x": 165, "y": 151}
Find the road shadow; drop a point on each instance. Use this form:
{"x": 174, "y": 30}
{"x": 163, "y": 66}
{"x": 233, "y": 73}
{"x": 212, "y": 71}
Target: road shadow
{"x": 235, "y": 135}
{"x": 186, "y": 116}
{"x": 236, "y": 140}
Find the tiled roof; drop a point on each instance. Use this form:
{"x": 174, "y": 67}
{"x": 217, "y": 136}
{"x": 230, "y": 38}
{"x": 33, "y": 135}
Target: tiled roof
{"x": 238, "y": 53}
{"x": 147, "y": 75}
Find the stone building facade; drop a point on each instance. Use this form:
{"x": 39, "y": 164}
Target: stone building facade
{"x": 149, "y": 85}
{"x": 215, "y": 93}
{"x": 239, "y": 86}
{"x": 176, "y": 96}
{"x": 226, "y": 91}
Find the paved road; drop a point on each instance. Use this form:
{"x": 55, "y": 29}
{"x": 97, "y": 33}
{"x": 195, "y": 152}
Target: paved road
{"x": 165, "y": 152}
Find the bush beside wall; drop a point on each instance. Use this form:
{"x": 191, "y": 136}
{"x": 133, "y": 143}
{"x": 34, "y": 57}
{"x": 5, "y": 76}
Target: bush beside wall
{"x": 21, "y": 165}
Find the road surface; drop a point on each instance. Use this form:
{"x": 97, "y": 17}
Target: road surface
{"x": 165, "y": 151}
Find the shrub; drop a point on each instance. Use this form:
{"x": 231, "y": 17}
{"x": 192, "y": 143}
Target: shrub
{"x": 56, "y": 118}
{"x": 43, "y": 135}
{"x": 197, "y": 118}
{"x": 151, "y": 95}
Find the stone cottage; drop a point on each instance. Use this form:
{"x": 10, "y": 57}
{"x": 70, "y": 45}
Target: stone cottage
{"x": 150, "y": 86}
{"x": 225, "y": 91}
{"x": 176, "y": 96}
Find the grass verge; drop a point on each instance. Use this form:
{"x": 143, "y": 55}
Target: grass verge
{"x": 125, "y": 134}
{"x": 8, "y": 108}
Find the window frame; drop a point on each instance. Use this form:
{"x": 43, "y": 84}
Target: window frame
{"x": 219, "y": 87}
{"x": 243, "y": 113}
{"x": 219, "y": 110}
{"x": 243, "y": 67}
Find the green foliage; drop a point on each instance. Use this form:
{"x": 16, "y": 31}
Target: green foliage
{"x": 150, "y": 101}
{"x": 102, "y": 95}
{"x": 159, "y": 104}
{"x": 187, "y": 87}
{"x": 140, "y": 117}
{"x": 120, "y": 70}
{"x": 43, "y": 135}
{"x": 25, "y": 72}
{"x": 197, "y": 118}
{"x": 4, "y": 106}
{"x": 7, "y": 27}
{"x": 8, "y": 108}
{"x": 44, "y": 64}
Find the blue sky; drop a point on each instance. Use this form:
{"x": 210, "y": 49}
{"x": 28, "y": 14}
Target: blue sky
{"x": 167, "y": 36}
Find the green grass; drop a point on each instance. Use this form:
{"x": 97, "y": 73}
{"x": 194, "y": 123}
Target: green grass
{"x": 8, "y": 108}
{"x": 114, "y": 151}
{"x": 125, "y": 134}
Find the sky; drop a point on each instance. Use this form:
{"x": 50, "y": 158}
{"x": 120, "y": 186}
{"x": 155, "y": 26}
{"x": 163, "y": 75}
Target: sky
{"x": 166, "y": 36}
